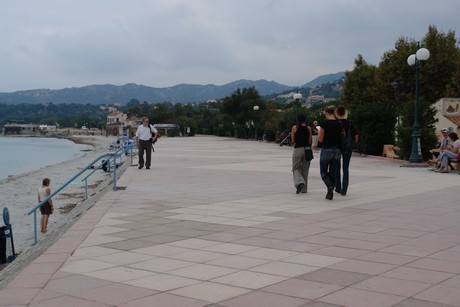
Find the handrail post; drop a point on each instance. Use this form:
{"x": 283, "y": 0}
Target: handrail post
{"x": 86, "y": 188}
{"x": 35, "y": 227}
{"x": 115, "y": 172}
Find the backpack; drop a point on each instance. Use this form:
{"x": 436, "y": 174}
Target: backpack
{"x": 346, "y": 139}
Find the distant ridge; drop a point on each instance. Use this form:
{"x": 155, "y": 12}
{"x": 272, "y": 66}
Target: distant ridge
{"x": 181, "y": 93}
{"x": 325, "y": 79}
{"x": 109, "y": 94}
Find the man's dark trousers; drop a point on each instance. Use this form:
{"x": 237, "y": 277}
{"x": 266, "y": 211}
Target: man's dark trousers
{"x": 147, "y": 147}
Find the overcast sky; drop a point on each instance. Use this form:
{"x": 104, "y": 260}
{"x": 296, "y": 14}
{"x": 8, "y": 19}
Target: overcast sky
{"x": 71, "y": 43}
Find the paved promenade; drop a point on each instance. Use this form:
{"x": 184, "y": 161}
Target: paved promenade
{"x": 216, "y": 222}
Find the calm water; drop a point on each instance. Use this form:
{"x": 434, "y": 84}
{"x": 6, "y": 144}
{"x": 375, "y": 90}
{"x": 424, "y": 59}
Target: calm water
{"x": 24, "y": 154}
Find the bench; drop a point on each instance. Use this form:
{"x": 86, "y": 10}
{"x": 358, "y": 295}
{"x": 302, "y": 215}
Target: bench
{"x": 456, "y": 162}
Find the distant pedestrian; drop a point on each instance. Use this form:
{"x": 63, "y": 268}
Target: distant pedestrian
{"x": 314, "y": 131}
{"x": 329, "y": 136}
{"x": 146, "y": 135}
{"x": 47, "y": 208}
{"x": 301, "y": 138}
{"x": 341, "y": 184}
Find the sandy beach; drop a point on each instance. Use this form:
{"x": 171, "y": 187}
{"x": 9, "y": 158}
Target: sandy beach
{"x": 19, "y": 193}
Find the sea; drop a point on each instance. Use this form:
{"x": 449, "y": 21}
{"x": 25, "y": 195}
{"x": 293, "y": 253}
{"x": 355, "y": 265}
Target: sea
{"x": 20, "y": 155}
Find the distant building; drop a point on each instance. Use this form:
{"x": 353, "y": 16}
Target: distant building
{"x": 116, "y": 123}
{"x": 315, "y": 98}
{"x": 448, "y": 114}
{"x": 21, "y": 128}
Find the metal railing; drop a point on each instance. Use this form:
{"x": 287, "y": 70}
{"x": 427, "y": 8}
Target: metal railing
{"x": 109, "y": 164}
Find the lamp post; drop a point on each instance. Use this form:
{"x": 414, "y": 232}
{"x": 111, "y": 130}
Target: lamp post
{"x": 297, "y": 97}
{"x": 422, "y": 54}
{"x": 256, "y": 108}
{"x": 395, "y": 85}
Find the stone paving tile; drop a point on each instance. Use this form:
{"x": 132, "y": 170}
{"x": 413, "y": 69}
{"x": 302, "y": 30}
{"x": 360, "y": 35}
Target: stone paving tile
{"x": 387, "y": 258}
{"x": 202, "y": 271}
{"x": 334, "y": 277}
{"x": 264, "y": 299}
{"x": 119, "y": 274}
{"x": 166, "y": 300}
{"x": 361, "y": 298}
{"x": 161, "y": 282}
{"x": 420, "y": 275}
{"x": 419, "y": 303}
{"x": 436, "y": 265}
{"x": 68, "y": 300}
{"x": 392, "y": 286}
{"x": 211, "y": 292}
{"x": 75, "y": 284}
{"x": 441, "y": 294}
{"x": 283, "y": 269}
{"x": 364, "y": 267}
{"x": 17, "y": 296}
{"x": 115, "y": 294}
{"x": 302, "y": 289}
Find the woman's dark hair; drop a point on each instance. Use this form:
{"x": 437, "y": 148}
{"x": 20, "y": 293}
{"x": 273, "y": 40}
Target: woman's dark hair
{"x": 340, "y": 111}
{"x": 46, "y": 181}
{"x": 301, "y": 118}
{"x": 453, "y": 136}
{"x": 329, "y": 110}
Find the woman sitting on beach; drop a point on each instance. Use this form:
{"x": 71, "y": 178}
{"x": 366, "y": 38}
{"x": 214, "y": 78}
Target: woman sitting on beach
{"x": 47, "y": 208}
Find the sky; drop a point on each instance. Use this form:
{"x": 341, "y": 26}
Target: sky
{"x": 55, "y": 44}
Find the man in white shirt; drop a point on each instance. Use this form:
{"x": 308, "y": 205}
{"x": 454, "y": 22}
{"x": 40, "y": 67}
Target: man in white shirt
{"x": 146, "y": 134}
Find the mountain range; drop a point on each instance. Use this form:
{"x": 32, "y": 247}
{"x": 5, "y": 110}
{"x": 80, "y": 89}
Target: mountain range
{"x": 181, "y": 93}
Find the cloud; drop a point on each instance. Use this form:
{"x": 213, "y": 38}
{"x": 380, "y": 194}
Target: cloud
{"x": 56, "y": 44}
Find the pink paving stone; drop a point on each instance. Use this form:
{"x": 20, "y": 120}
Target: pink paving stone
{"x": 165, "y": 300}
{"x": 17, "y": 296}
{"x": 446, "y": 255}
{"x": 68, "y": 301}
{"x": 52, "y": 257}
{"x": 412, "y": 302}
{"x": 409, "y": 250}
{"x": 65, "y": 245}
{"x": 364, "y": 229}
{"x": 403, "y": 233}
{"x": 430, "y": 243}
{"x": 387, "y": 258}
{"x": 441, "y": 294}
{"x": 25, "y": 280}
{"x": 341, "y": 252}
{"x": 75, "y": 284}
{"x": 302, "y": 288}
{"x": 421, "y": 275}
{"x": 342, "y": 234}
{"x": 360, "y": 298}
{"x": 263, "y": 299}
{"x": 436, "y": 265}
{"x": 42, "y": 268}
{"x": 453, "y": 282}
{"x": 362, "y": 244}
{"x": 392, "y": 286}
{"x": 297, "y": 246}
{"x": 115, "y": 294}
{"x": 365, "y": 267}
{"x": 44, "y": 295}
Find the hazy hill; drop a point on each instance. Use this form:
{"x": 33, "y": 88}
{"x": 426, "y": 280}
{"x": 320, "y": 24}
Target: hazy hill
{"x": 181, "y": 93}
{"x": 329, "y": 78}
{"x": 108, "y": 94}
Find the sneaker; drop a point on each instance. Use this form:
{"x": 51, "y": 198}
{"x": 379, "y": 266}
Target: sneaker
{"x": 299, "y": 188}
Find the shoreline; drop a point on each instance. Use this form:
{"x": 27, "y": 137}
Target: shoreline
{"x": 19, "y": 192}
